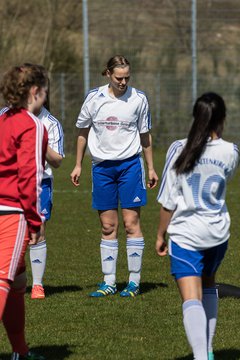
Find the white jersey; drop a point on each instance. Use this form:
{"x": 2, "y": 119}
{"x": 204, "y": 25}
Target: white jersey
{"x": 116, "y": 123}
{"x": 200, "y": 219}
{"x": 55, "y": 137}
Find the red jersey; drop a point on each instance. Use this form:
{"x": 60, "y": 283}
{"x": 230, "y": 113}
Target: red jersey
{"x": 23, "y": 145}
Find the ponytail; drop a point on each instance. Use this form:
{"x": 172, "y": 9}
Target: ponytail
{"x": 209, "y": 113}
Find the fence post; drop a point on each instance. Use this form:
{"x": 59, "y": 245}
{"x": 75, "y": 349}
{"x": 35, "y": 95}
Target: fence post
{"x": 194, "y": 50}
{"x": 62, "y": 96}
{"x": 85, "y": 46}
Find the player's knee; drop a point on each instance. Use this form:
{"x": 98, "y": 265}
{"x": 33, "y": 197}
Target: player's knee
{"x": 132, "y": 227}
{"x": 20, "y": 282}
{"x": 109, "y": 229}
{"x": 208, "y": 281}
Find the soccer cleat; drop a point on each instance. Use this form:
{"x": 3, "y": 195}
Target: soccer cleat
{"x": 104, "y": 290}
{"x": 37, "y": 292}
{"x": 131, "y": 290}
{"x": 210, "y": 356}
{"x": 29, "y": 356}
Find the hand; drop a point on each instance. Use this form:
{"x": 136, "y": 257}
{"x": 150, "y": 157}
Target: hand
{"x": 153, "y": 179}
{"x": 34, "y": 237}
{"x": 75, "y": 175}
{"x": 161, "y": 246}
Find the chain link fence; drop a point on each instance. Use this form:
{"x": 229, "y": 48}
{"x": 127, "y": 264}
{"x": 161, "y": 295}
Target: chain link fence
{"x": 156, "y": 35}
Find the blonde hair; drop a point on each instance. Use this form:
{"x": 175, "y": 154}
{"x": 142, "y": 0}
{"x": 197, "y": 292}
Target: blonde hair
{"x": 115, "y": 61}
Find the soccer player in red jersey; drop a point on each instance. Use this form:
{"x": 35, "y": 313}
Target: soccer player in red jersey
{"x": 23, "y": 144}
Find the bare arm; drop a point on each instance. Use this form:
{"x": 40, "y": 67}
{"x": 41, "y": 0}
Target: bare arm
{"x": 165, "y": 218}
{"x": 146, "y": 142}
{"x": 53, "y": 158}
{"x": 81, "y": 148}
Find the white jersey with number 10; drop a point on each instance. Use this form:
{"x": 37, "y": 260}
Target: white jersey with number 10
{"x": 200, "y": 219}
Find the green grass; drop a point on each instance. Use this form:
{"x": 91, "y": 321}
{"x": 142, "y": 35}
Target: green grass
{"x": 70, "y": 325}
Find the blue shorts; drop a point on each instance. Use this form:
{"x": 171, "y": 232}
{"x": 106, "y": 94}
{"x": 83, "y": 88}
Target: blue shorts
{"x": 115, "y": 180}
{"x": 186, "y": 262}
{"x": 46, "y": 198}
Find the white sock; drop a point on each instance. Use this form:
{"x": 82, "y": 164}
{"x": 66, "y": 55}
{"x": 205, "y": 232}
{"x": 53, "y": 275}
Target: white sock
{"x": 135, "y": 247}
{"x": 109, "y": 254}
{"x": 38, "y": 256}
{"x": 195, "y": 324}
{"x": 210, "y": 304}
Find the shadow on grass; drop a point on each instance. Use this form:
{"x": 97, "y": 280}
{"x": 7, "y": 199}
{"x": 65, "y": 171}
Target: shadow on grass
{"x": 228, "y": 354}
{"x": 54, "y": 352}
{"x": 146, "y": 287}
{"x": 228, "y": 290}
{"x": 51, "y": 290}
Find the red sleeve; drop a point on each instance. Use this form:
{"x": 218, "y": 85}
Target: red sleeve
{"x": 30, "y": 158}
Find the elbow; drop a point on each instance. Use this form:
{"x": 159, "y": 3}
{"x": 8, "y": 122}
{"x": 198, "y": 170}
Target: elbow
{"x": 56, "y": 164}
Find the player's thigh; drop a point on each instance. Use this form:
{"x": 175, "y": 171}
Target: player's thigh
{"x": 190, "y": 287}
{"x": 14, "y": 238}
{"x": 131, "y": 183}
{"x": 104, "y": 187}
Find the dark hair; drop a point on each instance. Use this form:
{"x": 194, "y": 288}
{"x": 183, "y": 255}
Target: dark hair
{"x": 115, "y": 61}
{"x": 209, "y": 113}
{"x": 17, "y": 82}
{"x": 47, "y": 101}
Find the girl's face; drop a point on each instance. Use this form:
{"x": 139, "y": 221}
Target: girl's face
{"x": 118, "y": 80}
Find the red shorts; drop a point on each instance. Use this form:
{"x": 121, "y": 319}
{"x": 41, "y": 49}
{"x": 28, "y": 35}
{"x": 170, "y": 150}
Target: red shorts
{"x": 14, "y": 238}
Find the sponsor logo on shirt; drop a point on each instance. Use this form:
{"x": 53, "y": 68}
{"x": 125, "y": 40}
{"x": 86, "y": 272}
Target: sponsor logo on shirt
{"x": 112, "y": 123}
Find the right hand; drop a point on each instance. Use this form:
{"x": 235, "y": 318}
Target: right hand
{"x": 161, "y": 246}
{"x": 34, "y": 237}
{"x": 75, "y": 175}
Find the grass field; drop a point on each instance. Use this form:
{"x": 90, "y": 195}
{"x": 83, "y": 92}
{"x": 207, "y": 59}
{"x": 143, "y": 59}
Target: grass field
{"x": 70, "y": 325}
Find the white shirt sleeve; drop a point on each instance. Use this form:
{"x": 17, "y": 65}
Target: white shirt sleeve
{"x": 235, "y": 161}
{"x": 144, "y": 122}
{"x": 169, "y": 190}
{"x": 56, "y": 137}
{"x": 84, "y": 119}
